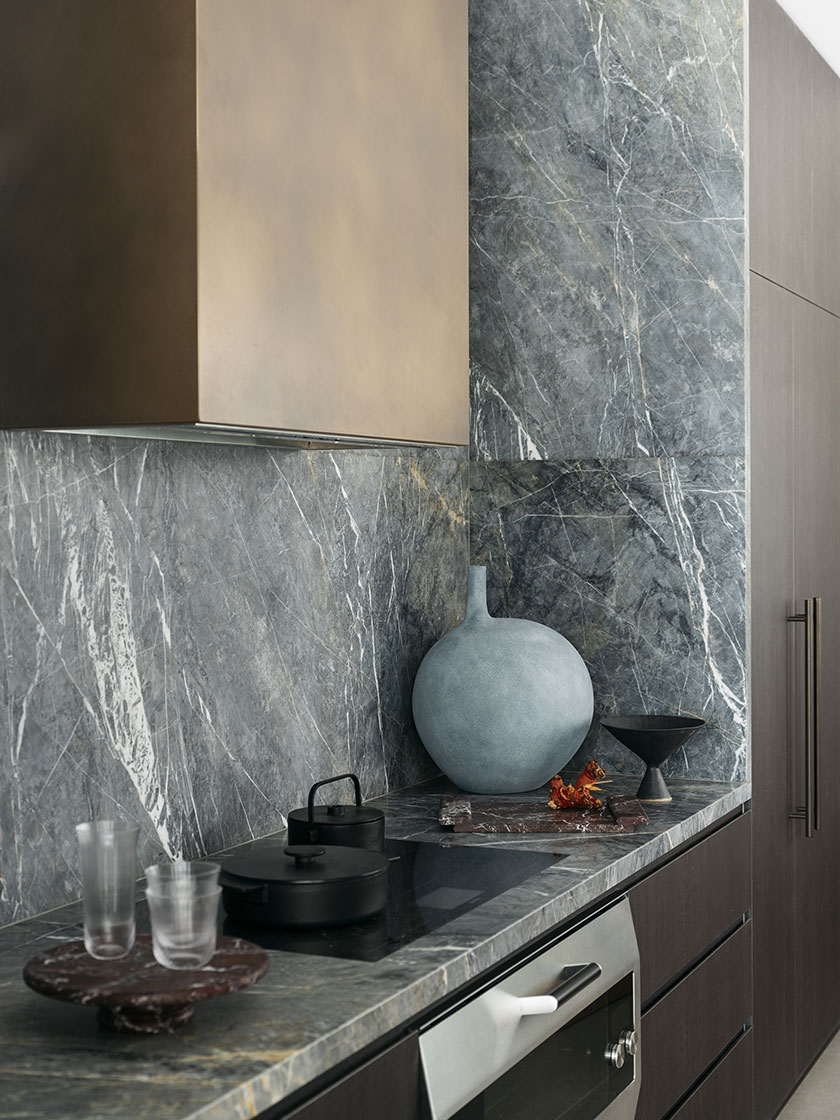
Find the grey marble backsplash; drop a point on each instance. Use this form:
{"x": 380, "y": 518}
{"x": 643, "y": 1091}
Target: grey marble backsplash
{"x": 607, "y": 228}
{"x": 194, "y": 634}
{"x": 640, "y": 564}
{"x": 608, "y": 419}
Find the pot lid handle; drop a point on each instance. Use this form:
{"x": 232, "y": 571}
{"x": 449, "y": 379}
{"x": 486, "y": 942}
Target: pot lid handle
{"x": 304, "y": 854}
{"x": 326, "y": 782}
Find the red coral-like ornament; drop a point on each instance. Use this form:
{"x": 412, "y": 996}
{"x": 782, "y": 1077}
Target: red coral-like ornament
{"x": 579, "y": 795}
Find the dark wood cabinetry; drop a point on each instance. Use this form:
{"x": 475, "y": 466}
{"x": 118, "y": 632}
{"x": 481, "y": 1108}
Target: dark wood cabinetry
{"x": 772, "y": 723}
{"x": 794, "y": 143}
{"x": 726, "y": 1094}
{"x": 825, "y": 182}
{"x": 779, "y": 145}
{"x": 682, "y": 910}
{"x": 795, "y": 548}
{"x": 816, "y": 541}
{"x": 795, "y": 545}
{"x": 694, "y": 933}
{"x": 685, "y": 1032}
{"x": 385, "y": 1087}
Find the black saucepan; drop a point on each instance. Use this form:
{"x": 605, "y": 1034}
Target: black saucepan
{"x": 304, "y": 885}
{"x": 349, "y": 826}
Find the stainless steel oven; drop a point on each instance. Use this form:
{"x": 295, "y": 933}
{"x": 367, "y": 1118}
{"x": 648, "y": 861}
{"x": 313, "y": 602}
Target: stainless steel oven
{"x": 556, "y": 1038}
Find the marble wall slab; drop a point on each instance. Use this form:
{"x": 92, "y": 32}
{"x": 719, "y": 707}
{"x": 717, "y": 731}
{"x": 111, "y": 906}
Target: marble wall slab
{"x": 607, "y": 226}
{"x": 640, "y": 564}
{"x": 192, "y": 635}
{"x": 608, "y": 350}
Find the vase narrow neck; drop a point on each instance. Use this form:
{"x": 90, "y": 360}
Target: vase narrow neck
{"x": 476, "y": 595}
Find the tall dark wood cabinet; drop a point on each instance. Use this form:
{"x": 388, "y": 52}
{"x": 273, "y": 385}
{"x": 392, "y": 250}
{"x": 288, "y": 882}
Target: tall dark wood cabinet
{"x": 816, "y": 388}
{"x": 794, "y": 546}
{"x": 771, "y": 600}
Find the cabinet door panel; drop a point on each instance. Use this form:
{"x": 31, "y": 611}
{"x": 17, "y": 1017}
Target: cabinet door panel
{"x": 668, "y": 900}
{"x": 780, "y": 173}
{"x": 817, "y": 544}
{"x": 825, "y": 182}
{"x": 384, "y": 1088}
{"x": 771, "y": 600}
{"x": 726, "y": 1094}
{"x": 716, "y": 1000}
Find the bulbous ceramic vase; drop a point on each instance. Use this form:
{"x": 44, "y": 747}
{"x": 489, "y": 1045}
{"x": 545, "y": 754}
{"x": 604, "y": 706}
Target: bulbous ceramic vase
{"x": 501, "y": 704}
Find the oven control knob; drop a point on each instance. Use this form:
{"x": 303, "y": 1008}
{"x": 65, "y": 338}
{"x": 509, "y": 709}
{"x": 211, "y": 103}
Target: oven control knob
{"x": 615, "y": 1054}
{"x": 628, "y": 1040}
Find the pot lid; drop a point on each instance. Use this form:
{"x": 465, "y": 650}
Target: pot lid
{"x": 338, "y": 816}
{"x": 305, "y": 863}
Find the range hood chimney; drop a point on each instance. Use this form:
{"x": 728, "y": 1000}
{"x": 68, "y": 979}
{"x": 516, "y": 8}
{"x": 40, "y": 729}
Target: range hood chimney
{"x": 235, "y": 216}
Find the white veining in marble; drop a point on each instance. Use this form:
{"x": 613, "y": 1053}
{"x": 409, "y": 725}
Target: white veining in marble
{"x": 193, "y": 635}
{"x": 245, "y": 1052}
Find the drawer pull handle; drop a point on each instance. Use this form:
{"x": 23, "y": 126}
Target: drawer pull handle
{"x": 575, "y": 978}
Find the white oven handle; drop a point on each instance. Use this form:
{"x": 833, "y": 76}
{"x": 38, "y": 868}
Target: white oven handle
{"x": 471, "y": 1045}
{"x": 575, "y": 978}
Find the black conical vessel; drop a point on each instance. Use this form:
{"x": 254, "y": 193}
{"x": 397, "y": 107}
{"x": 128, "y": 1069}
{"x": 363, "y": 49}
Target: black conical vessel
{"x": 654, "y": 739}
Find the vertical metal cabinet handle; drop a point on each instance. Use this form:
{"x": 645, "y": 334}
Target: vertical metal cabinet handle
{"x": 816, "y": 662}
{"x": 812, "y": 617}
{"x": 574, "y": 978}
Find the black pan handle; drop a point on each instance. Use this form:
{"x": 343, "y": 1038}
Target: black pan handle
{"x": 326, "y": 782}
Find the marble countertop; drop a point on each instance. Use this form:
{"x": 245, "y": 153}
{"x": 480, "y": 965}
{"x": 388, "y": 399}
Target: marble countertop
{"x": 245, "y": 1052}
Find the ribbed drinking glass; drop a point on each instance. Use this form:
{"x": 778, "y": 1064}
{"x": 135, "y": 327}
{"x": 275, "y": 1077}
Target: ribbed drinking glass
{"x": 183, "y": 903}
{"x": 108, "y": 851}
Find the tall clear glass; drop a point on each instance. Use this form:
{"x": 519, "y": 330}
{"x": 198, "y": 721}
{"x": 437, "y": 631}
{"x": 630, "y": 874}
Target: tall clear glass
{"x": 109, "y": 882}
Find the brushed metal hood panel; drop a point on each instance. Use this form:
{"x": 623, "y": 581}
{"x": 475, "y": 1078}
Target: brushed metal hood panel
{"x": 237, "y": 213}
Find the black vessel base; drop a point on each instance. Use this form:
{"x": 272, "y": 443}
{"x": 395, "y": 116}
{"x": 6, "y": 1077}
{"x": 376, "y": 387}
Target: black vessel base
{"x": 653, "y": 786}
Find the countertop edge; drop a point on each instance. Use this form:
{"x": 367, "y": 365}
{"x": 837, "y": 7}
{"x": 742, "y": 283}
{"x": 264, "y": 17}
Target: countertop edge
{"x": 278, "y": 1082}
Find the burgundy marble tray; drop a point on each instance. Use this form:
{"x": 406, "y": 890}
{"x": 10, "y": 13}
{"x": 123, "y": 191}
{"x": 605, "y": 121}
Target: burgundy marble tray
{"x": 466, "y": 812}
{"x": 137, "y": 995}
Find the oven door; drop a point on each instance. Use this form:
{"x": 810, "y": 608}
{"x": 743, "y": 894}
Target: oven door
{"x": 557, "y": 1038}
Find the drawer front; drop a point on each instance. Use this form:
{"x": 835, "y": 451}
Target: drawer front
{"x": 686, "y": 1030}
{"x": 686, "y": 906}
{"x": 727, "y": 1093}
{"x": 382, "y": 1089}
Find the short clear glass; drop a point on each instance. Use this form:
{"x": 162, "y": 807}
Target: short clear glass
{"x": 108, "y": 851}
{"x": 193, "y": 876}
{"x": 183, "y": 903}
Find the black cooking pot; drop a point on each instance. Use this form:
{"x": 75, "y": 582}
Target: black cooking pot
{"x": 350, "y": 826}
{"x": 304, "y": 885}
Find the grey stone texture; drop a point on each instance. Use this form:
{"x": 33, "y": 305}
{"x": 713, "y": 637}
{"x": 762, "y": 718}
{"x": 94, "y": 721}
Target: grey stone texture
{"x": 607, "y": 278}
{"x": 246, "y": 1051}
{"x": 607, "y": 228}
{"x": 194, "y": 634}
{"x": 640, "y": 564}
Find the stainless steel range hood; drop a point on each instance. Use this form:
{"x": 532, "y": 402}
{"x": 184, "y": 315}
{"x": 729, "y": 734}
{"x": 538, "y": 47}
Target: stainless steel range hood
{"x": 235, "y": 216}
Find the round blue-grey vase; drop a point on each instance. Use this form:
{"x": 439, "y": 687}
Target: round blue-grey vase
{"x": 501, "y": 704}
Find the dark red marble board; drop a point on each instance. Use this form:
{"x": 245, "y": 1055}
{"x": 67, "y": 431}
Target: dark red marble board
{"x": 137, "y": 995}
{"x": 465, "y": 812}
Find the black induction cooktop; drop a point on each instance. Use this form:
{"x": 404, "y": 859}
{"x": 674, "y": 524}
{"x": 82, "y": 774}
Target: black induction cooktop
{"x": 428, "y": 886}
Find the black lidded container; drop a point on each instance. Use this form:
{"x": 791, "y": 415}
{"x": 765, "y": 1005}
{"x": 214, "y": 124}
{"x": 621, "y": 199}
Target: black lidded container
{"x": 304, "y": 885}
{"x": 349, "y": 826}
